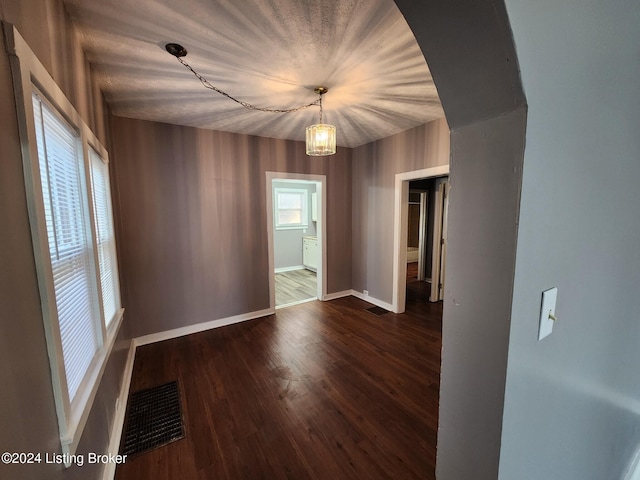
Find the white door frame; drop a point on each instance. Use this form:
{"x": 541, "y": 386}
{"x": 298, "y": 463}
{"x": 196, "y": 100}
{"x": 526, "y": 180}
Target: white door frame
{"x": 321, "y": 232}
{"x": 400, "y": 219}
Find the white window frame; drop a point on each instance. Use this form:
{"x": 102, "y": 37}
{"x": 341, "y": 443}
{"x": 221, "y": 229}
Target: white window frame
{"x": 304, "y": 194}
{"x": 99, "y": 161}
{"x": 29, "y": 75}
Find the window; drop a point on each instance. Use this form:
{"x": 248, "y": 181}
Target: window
{"x": 105, "y": 237}
{"x": 65, "y": 205}
{"x": 291, "y": 208}
{"x": 78, "y": 269}
{"x": 66, "y": 183}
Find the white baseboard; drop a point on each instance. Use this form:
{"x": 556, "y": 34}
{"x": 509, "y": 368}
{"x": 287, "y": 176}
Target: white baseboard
{"x": 375, "y": 301}
{"x": 361, "y": 296}
{"x": 200, "y": 327}
{"x": 298, "y": 302}
{"x": 289, "y": 269}
{"x": 117, "y": 425}
{"x": 333, "y": 296}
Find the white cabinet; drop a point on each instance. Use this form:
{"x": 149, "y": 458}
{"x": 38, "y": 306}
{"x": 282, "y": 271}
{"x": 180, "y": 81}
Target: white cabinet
{"x": 310, "y": 253}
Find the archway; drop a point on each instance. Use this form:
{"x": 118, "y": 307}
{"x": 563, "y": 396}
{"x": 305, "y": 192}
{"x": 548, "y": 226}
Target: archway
{"x": 470, "y": 52}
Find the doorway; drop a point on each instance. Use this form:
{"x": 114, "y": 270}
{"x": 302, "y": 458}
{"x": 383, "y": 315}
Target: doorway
{"x": 418, "y": 239}
{"x": 417, "y": 235}
{"x": 439, "y": 229}
{"x": 401, "y": 236}
{"x": 296, "y": 236}
{"x": 428, "y": 207}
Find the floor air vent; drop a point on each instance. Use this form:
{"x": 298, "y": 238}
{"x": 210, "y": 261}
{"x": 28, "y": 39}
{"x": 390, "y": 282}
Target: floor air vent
{"x": 154, "y": 418}
{"x": 377, "y": 310}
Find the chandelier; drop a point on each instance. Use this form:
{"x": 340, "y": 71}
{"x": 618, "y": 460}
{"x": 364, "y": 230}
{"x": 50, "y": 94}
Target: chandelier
{"x": 320, "y": 138}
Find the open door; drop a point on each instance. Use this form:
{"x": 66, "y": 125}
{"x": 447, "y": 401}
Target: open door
{"x": 422, "y": 242}
{"x": 438, "y": 266}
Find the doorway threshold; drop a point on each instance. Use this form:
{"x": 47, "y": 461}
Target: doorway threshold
{"x": 298, "y": 302}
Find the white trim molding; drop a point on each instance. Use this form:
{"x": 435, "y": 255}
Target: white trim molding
{"x": 333, "y": 296}
{"x": 289, "y": 269}
{"x": 400, "y": 214}
{"x": 117, "y": 425}
{"x": 372, "y": 300}
{"x": 321, "y": 230}
{"x": 201, "y": 327}
{"x": 95, "y": 373}
{"x": 297, "y": 302}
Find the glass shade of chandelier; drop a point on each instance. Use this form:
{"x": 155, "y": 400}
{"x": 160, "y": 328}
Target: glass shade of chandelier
{"x": 321, "y": 137}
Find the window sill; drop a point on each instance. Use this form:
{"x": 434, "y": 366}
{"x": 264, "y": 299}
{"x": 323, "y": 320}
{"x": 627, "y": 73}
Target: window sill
{"x": 292, "y": 227}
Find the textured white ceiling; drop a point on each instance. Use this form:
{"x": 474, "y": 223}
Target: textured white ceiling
{"x": 270, "y": 53}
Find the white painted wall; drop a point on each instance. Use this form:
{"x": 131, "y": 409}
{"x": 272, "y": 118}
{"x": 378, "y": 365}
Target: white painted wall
{"x": 572, "y": 401}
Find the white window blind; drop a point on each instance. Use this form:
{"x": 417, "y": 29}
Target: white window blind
{"x": 105, "y": 237}
{"x": 65, "y": 204}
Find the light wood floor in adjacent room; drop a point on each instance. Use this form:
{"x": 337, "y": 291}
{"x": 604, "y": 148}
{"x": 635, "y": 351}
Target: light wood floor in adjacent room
{"x": 295, "y": 286}
{"x": 320, "y": 390}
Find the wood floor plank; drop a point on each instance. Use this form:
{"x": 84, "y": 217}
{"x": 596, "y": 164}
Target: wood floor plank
{"x": 320, "y": 390}
{"x": 294, "y": 286}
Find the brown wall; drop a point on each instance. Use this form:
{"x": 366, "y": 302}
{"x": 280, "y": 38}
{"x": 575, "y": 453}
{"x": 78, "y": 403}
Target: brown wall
{"x": 375, "y": 166}
{"x": 47, "y": 28}
{"x": 194, "y": 223}
{"x": 28, "y": 418}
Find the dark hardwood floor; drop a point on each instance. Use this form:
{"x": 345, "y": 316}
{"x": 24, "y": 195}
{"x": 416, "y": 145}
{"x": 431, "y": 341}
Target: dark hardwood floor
{"x": 321, "y": 390}
{"x": 412, "y": 272}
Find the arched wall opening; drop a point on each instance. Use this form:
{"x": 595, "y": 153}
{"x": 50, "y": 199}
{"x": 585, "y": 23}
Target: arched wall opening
{"x": 470, "y": 51}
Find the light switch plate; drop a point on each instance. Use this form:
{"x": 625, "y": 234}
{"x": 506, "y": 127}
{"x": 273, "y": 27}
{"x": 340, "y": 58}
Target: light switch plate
{"x": 547, "y": 309}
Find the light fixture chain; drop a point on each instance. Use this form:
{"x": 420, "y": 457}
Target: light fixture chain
{"x": 208, "y": 85}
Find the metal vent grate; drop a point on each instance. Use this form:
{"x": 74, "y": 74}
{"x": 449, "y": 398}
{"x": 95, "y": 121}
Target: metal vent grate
{"x": 377, "y": 310}
{"x": 154, "y": 418}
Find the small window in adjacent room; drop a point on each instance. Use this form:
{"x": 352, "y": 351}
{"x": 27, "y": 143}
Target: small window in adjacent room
{"x": 291, "y": 208}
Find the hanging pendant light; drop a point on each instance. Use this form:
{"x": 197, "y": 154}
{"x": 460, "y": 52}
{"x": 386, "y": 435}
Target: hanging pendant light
{"x": 321, "y": 138}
